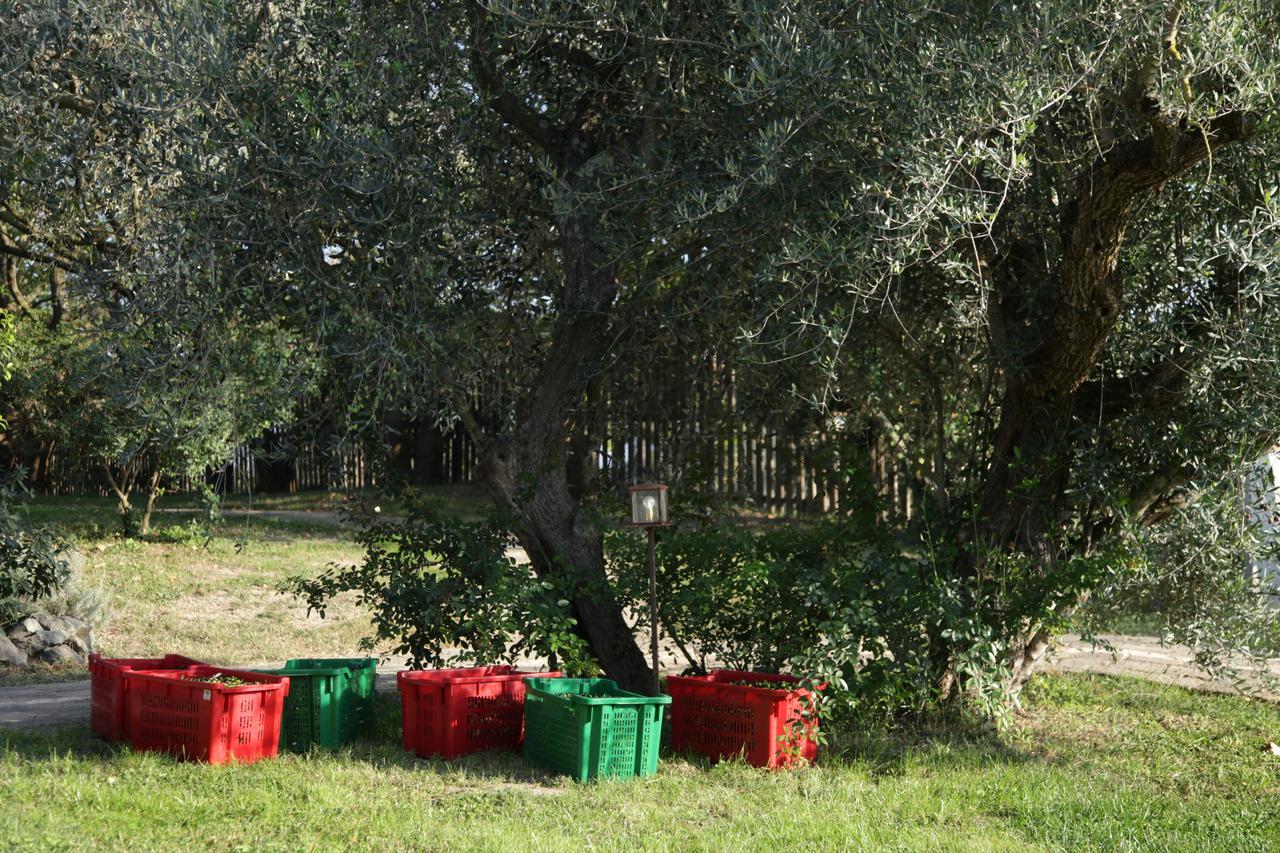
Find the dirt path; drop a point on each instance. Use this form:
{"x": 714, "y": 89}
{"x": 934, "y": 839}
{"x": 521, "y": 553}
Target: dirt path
{"x": 1144, "y": 657}
{"x": 32, "y": 706}
{"x": 312, "y": 516}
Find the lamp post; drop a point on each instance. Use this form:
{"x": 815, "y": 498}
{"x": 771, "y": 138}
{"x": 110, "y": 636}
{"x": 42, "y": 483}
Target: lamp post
{"x": 649, "y": 510}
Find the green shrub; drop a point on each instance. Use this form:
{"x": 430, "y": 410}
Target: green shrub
{"x": 434, "y": 583}
{"x": 835, "y": 600}
{"x": 31, "y": 567}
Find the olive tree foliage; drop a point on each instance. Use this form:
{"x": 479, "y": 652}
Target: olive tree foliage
{"x": 30, "y": 563}
{"x": 1037, "y": 241}
{"x": 457, "y": 196}
{"x": 1069, "y": 251}
{"x": 124, "y": 364}
{"x": 140, "y": 404}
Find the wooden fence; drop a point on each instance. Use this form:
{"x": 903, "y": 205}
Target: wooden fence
{"x": 705, "y": 435}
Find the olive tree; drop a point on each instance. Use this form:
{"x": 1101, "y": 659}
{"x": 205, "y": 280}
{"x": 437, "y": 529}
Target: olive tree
{"x": 1068, "y": 239}
{"x": 1037, "y": 240}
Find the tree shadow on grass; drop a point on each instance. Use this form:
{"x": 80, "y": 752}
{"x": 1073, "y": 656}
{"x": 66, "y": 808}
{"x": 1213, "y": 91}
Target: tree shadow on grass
{"x": 47, "y": 743}
{"x": 946, "y": 745}
{"x": 504, "y": 769}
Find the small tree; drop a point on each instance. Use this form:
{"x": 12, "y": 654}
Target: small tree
{"x": 158, "y": 402}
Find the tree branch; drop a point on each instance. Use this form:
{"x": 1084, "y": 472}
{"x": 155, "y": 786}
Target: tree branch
{"x": 1094, "y": 226}
{"x": 538, "y": 128}
{"x": 576, "y": 56}
{"x": 8, "y": 247}
{"x": 1165, "y": 383}
{"x": 75, "y": 103}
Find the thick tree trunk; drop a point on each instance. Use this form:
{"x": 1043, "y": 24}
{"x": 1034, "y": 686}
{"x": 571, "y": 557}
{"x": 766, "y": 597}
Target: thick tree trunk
{"x": 557, "y": 535}
{"x": 528, "y": 471}
{"x": 558, "y": 539}
{"x": 1024, "y": 508}
{"x": 38, "y": 473}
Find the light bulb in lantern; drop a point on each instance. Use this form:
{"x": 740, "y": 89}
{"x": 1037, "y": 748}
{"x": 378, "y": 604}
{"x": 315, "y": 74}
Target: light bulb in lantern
{"x": 650, "y": 508}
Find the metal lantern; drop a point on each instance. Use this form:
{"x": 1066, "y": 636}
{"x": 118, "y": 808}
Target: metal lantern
{"x": 649, "y": 510}
{"x": 649, "y": 505}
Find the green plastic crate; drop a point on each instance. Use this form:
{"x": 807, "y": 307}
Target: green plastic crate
{"x": 330, "y": 701}
{"x": 588, "y": 728}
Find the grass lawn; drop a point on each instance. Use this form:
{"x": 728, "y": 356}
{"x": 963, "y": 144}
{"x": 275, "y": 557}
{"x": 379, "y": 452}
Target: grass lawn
{"x": 212, "y": 598}
{"x": 1094, "y": 763}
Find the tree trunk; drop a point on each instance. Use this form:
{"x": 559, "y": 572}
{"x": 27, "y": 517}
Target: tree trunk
{"x": 1023, "y": 506}
{"x": 122, "y": 488}
{"x": 277, "y": 473}
{"x": 528, "y": 471}
{"x": 428, "y": 454}
{"x": 558, "y": 539}
{"x": 153, "y": 492}
{"x": 397, "y": 437}
{"x": 552, "y": 528}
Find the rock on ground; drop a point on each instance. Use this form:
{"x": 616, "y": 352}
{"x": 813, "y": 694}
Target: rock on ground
{"x": 11, "y": 654}
{"x": 25, "y": 627}
{"x": 60, "y": 655}
{"x": 51, "y": 639}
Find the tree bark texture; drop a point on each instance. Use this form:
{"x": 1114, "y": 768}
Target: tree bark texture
{"x": 1023, "y": 497}
{"x": 527, "y": 469}
{"x": 153, "y": 492}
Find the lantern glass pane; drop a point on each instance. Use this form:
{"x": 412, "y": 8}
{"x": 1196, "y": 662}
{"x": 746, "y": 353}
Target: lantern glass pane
{"x": 644, "y": 508}
{"x": 648, "y": 506}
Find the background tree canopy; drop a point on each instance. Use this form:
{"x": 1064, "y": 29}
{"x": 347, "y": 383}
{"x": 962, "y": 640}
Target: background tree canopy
{"x": 1038, "y": 242}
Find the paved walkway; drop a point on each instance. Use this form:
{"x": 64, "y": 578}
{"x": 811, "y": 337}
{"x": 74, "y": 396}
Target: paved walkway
{"x": 60, "y": 704}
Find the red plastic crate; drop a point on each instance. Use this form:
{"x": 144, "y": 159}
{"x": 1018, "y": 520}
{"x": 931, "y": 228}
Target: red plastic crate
{"x": 108, "y": 712}
{"x": 198, "y": 721}
{"x": 452, "y": 712}
{"x": 714, "y": 717}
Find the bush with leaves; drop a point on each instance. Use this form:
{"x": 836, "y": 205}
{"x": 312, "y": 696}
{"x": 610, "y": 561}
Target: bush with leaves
{"x": 31, "y": 566}
{"x": 838, "y": 601}
{"x": 444, "y": 590}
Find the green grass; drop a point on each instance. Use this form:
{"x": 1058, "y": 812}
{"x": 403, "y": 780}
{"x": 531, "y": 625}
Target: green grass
{"x": 1094, "y": 763}
{"x": 96, "y": 516}
{"x": 218, "y": 601}
{"x": 214, "y": 598}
